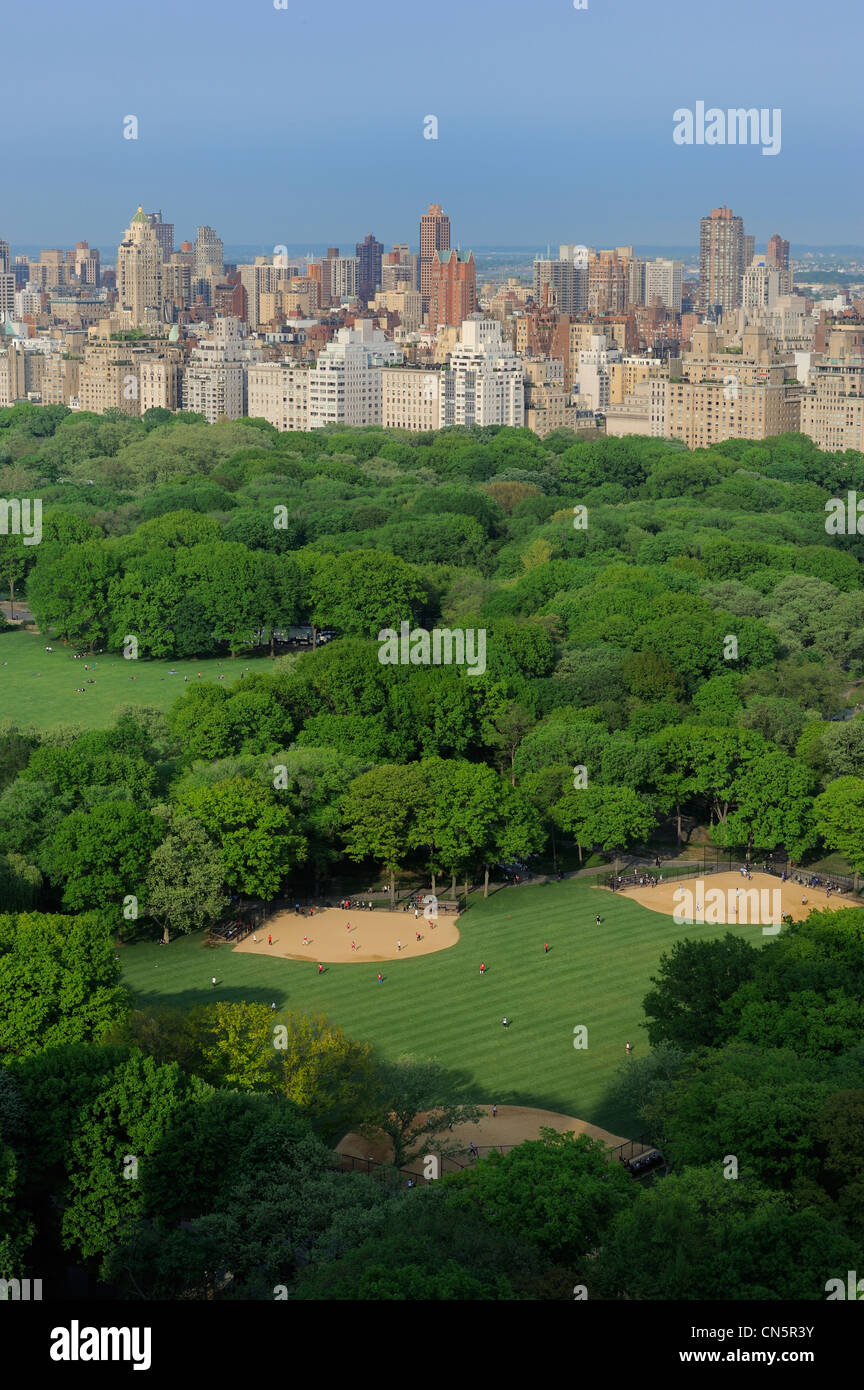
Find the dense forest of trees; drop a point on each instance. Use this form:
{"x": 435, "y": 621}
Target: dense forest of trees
{"x": 679, "y": 625}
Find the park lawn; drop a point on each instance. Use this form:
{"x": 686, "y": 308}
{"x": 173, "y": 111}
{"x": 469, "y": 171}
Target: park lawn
{"x": 440, "y": 1006}
{"x": 42, "y": 701}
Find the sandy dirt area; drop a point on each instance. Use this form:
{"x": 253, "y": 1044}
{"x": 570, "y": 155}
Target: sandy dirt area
{"x": 795, "y": 899}
{"x": 336, "y": 937}
{"x": 512, "y": 1125}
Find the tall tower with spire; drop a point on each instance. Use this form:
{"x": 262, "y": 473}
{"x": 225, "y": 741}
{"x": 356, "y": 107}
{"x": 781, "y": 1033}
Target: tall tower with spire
{"x": 139, "y": 272}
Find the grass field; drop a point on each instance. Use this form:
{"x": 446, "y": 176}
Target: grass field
{"x": 42, "y": 701}
{"x": 440, "y": 1005}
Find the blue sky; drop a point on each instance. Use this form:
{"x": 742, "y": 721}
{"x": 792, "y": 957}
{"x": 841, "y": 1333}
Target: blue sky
{"x": 306, "y": 124}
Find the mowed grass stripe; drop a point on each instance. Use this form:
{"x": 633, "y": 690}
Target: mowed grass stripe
{"x": 441, "y": 1006}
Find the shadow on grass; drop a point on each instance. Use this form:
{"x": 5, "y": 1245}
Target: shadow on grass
{"x": 222, "y": 994}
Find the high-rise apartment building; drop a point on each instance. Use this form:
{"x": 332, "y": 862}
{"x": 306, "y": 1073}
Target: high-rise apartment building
{"x": 326, "y": 267}
{"x": 410, "y": 398}
{"x": 592, "y": 377}
{"x": 5, "y": 257}
{"x": 400, "y": 269}
{"x": 345, "y": 384}
{"x": 763, "y": 284}
{"x": 714, "y": 396}
{"x": 279, "y": 392}
{"x": 434, "y": 237}
{"x": 164, "y": 234}
{"x": 832, "y": 409}
{"x": 568, "y": 279}
{"x": 483, "y": 382}
{"x": 7, "y": 296}
{"x": 778, "y": 252}
{"x": 85, "y": 261}
{"x": 139, "y": 273}
{"x": 344, "y": 278}
{"x": 264, "y": 278}
{"x": 663, "y": 280}
{"x": 177, "y": 282}
{"x": 548, "y": 403}
{"x": 609, "y": 280}
{"x": 721, "y": 260}
{"x": 209, "y": 252}
{"x": 214, "y": 391}
{"x": 452, "y": 288}
{"x": 369, "y": 252}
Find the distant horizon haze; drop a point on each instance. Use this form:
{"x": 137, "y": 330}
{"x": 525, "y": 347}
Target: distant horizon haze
{"x": 552, "y": 123}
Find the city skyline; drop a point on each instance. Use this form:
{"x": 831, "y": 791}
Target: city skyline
{"x": 574, "y": 134}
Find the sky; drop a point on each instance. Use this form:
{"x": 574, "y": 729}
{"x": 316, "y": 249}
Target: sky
{"x": 306, "y": 124}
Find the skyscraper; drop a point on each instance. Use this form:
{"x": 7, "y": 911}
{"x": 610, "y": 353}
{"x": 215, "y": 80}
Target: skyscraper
{"x": 663, "y": 280}
{"x": 209, "y": 250}
{"x": 778, "y": 252}
{"x": 452, "y": 288}
{"x": 434, "y": 237}
{"x": 369, "y": 252}
{"x": 164, "y": 234}
{"x": 567, "y": 279}
{"x": 139, "y": 272}
{"x": 721, "y": 260}
{"x": 7, "y": 296}
{"x": 5, "y": 258}
{"x": 343, "y": 274}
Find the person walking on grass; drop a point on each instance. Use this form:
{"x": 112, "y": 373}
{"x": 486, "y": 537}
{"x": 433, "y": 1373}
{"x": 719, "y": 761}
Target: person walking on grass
{"x": 627, "y": 1048}
{"x": 380, "y": 978}
{"x": 545, "y": 948}
{"x": 214, "y": 981}
{"x": 320, "y": 969}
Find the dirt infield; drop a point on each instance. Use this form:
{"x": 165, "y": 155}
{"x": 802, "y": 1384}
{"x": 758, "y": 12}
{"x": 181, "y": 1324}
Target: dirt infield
{"x": 662, "y": 898}
{"x": 513, "y": 1125}
{"x": 373, "y": 935}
